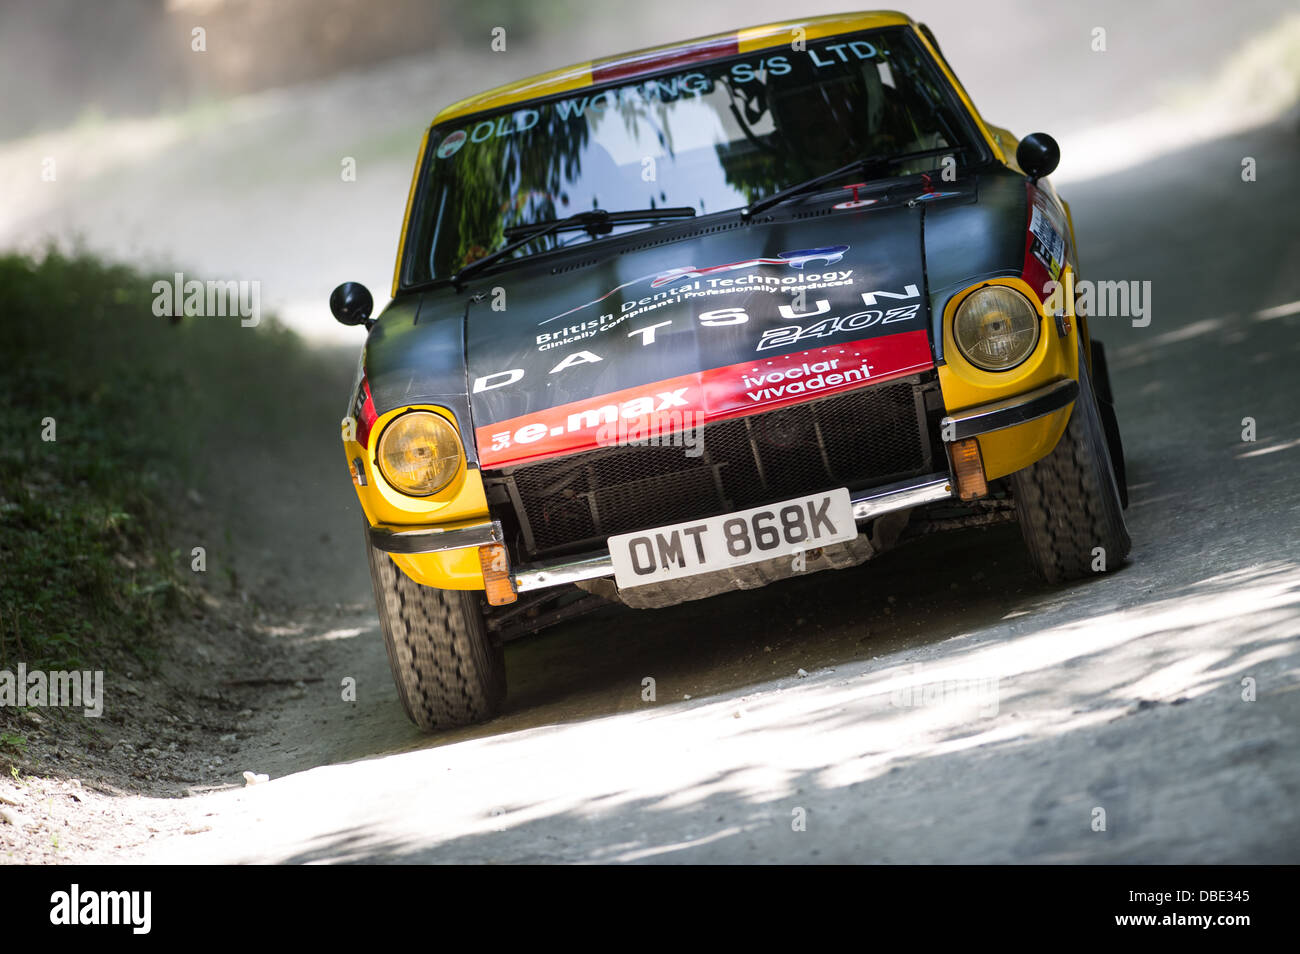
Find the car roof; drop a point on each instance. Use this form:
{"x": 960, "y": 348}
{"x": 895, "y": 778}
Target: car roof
{"x": 654, "y": 59}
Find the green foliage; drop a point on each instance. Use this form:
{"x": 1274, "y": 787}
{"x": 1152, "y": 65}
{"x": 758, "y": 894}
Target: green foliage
{"x": 86, "y": 561}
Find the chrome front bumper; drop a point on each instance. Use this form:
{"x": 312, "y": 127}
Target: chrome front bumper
{"x": 866, "y": 506}
{"x": 1019, "y": 409}
{"x": 435, "y": 539}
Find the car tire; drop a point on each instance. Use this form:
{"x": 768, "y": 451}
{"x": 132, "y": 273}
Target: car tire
{"x": 1068, "y": 503}
{"x": 448, "y": 670}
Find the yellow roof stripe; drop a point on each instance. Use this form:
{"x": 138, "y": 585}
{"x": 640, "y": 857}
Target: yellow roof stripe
{"x": 816, "y": 28}
{"x": 577, "y": 76}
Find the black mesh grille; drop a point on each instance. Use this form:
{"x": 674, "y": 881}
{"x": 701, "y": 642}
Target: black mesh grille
{"x": 861, "y": 439}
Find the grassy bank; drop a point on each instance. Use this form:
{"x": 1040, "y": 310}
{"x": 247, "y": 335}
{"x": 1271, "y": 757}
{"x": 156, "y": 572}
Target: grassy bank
{"x": 104, "y": 411}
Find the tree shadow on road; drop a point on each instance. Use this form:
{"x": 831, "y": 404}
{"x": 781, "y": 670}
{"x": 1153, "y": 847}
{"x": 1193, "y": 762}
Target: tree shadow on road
{"x": 879, "y": 769}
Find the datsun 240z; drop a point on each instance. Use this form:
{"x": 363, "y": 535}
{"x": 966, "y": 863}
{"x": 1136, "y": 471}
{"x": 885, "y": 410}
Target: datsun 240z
{"x": 706, "y": 316}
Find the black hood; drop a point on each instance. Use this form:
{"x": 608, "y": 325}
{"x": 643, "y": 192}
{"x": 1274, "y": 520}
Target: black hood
{"x": 737, "y": 317}
{"x": 729, "y": 302}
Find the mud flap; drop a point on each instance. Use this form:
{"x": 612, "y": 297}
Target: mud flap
{"x": 1109, "y": 419}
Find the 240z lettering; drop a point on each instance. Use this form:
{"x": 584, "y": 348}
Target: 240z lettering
{"x": 793, "y": 334}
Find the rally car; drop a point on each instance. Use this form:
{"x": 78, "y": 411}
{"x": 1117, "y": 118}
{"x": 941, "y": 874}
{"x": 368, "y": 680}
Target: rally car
{"x": 707, "y": 316}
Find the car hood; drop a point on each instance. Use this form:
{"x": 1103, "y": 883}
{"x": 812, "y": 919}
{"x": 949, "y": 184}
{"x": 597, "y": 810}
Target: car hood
{"x": 711, "y": 322}
{"x": 716, "y": 320}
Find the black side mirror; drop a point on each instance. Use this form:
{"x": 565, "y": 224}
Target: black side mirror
{"x": 1038, "y": 155}
{"x": 352, "y": 304}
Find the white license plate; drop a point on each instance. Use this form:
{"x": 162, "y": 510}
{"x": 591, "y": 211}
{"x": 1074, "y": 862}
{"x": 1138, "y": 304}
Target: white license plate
{"x": 733, "y": 539}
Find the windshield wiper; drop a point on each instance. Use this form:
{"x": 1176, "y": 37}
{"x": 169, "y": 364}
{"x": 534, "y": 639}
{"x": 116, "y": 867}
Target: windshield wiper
{"x": 596, "y": 222}
{"x": 858, "y": 165}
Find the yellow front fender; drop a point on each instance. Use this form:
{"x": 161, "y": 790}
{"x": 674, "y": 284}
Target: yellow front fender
{"x": 966, "y": 386}
{"x": 461, "y": 502}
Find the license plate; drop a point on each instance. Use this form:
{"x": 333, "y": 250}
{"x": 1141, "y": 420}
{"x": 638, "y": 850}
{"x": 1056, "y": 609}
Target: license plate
{"x": 733, "y": 539}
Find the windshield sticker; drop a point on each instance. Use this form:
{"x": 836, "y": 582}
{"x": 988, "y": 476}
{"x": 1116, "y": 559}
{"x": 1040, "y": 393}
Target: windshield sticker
{"x": 521, "y": 121}
{"x": 772, "y": 65}
{"x": 834, "y": 54}
{"x": 665, "y": 89}
{"x": 451, "y": 145}
{"x": 591, "y": 106}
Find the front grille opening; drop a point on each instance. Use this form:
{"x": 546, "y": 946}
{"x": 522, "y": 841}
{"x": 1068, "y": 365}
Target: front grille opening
{"x": 865, "y": 438}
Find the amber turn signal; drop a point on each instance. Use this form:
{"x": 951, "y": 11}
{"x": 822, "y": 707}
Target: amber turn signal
{"x": 499, "y": 583}
{"x": 969, "y": 468}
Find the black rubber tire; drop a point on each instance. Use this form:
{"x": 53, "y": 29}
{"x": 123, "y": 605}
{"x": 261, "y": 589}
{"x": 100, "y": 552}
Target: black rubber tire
{"x": 1109, "y": 419}
{"x": 448, "y": 670}
{"x": 1068, "y": 503}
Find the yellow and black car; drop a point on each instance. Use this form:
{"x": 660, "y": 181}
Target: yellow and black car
{"x": 706, "y": 316}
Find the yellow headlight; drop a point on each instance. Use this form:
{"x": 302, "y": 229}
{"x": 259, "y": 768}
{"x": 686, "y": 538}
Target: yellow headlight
{"x": 996, "y": 328}
{"x": 419, "y": 453}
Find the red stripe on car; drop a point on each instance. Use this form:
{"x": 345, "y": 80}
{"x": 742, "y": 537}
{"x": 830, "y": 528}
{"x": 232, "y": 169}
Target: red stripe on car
{"x": 764, "y": 384}
{"x": 638, "y": 64}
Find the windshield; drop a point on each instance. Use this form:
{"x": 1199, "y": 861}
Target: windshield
{"x": 711, "y": 137}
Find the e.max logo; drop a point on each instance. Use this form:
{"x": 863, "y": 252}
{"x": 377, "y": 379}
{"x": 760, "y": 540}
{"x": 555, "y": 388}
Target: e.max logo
{"x": 589, "y": 418}
{"x": 76, "y": 907}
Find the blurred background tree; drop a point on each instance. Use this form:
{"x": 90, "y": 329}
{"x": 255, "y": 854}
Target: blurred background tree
{"x": 126, "y": 57}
